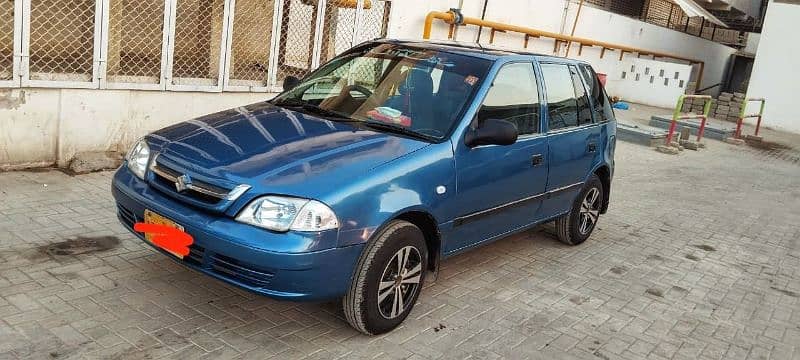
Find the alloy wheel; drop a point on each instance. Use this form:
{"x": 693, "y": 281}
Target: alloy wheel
{"x": 590, "y": 210}
{"x": 399, "y": 282}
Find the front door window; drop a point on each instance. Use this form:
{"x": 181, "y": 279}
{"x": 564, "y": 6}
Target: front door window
{"x": 513, "y": 97}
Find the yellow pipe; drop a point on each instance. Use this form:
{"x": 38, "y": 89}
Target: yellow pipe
{"x": 449, "y": 18}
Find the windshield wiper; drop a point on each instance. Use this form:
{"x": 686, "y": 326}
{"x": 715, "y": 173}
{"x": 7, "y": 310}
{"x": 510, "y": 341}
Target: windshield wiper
{"x": 342, "y": 117}
{"x": 309, "y": 107}
{"x": 397, "y": 130}
{"x": 291, "y": 102}
{"x": 327, "y": 113}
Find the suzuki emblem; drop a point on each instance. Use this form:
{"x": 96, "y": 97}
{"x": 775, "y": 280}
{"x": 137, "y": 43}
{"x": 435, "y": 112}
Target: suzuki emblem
{"x": 183, "y": 183}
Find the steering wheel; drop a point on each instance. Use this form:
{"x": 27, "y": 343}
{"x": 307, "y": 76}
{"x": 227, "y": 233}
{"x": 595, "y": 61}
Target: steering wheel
{"x": 357, "y": 88}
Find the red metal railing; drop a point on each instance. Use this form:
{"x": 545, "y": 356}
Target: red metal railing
{"x": 742, "y": 116}
{"x": 676, "y": 115}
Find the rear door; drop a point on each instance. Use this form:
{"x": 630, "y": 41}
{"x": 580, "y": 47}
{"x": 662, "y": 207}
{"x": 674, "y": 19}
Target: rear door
{"x": 500, "y": 187}
{"x": 603, "y": 113}
{"x": 573, "y": 136}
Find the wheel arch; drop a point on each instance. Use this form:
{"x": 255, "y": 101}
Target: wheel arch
{"x": 603, "y": 172}
{"x": 426, "y": 222}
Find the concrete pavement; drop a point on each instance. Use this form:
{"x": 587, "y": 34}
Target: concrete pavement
{"x": 698, "y": 257}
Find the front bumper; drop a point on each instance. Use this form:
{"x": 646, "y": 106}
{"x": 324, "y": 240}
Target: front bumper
{"x": 278, "y": 265}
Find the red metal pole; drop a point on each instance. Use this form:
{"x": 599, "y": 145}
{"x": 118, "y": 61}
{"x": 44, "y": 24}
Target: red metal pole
{"x": 702, "y": 127}
{"x": 738, "y": 133}
{"x": 671, "y": 130}
{"x": 758, "y": 124}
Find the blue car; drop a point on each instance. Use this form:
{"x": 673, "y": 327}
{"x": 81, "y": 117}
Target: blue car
{"x": 356, "y": 181}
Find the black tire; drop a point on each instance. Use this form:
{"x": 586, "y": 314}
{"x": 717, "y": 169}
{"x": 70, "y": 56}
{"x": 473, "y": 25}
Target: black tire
{"x": 570, "y": 227}
{"x": 361, "y": 304}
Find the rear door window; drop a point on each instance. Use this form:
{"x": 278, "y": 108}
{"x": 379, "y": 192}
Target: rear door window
{"x": 584, "y": 109}
{"x": 562, "y": 105}
{"x": 601, "y": 105}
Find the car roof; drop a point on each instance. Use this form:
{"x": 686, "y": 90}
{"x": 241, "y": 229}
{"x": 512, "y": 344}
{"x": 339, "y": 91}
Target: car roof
{"x": 488, "y": 52}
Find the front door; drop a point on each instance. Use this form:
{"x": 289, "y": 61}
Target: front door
{"x": 573, "y": 137}
{"x": 500, "y": 187}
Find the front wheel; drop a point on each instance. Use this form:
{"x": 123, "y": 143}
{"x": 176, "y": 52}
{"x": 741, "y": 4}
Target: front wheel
{"x": 387, "y": 280}
{"x": 576, "y": 226}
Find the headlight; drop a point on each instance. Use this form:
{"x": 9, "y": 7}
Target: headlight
{"x": 138, "y": 158}
{"x": 282, "y": 213}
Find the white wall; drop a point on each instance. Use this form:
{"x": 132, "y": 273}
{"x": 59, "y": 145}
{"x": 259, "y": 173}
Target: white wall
{"x": 408, "y": 17}
{"x": 40, "y": 127}
{"x": 649, "y": 82}
{"x": 775, "y": 74}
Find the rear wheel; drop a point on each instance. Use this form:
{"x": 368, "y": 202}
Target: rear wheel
{"x": 576, "y": 226}
{"x": 388, "y": 279}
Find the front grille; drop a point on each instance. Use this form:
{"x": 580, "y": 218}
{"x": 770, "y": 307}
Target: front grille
{"x": 192, "y": 194}
{"x": 201, "y": 191}
{"x": 195, "y": 256}
{"x": 127, "y": 217}
{"x": 241, "y": 272}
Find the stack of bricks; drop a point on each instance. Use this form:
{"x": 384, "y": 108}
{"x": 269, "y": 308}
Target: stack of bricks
{"x": 691, "y": 87}
{"x": 727, "y": 106}
{"x": 693, "y": 105}
{"x": 690, "y": 104}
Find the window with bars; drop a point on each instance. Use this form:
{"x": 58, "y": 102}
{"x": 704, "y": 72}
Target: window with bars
{"x": 205, "y": 45}
{"x": 345, "y": 28}
{"x": 251, "y": 42}
{"x": 135, "y": 41}
{"x": 339, "y": 27}
{"x": 375, "y": 20}
{"x": 296, "y": 41}
{"x": 6, "y": 40}
{"x": 198, "y": 38}
{"x": 62, "y": 35}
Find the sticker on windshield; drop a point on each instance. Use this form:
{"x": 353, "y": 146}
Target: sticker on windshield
{"x": 471, "y": 80}
{"x": 389, "y": 115}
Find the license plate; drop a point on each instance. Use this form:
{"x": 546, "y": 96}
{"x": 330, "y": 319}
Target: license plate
{"x": 151, "y": 217}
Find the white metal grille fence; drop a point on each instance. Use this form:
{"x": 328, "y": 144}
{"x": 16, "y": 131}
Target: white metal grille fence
{"x": 62, "y": 40}
{"x": 251, "y": 43}
{"x": 6, "y": 40}
{"x": 374, "y": 20}
{"x": 198, "y": 42}
{"x": 135, "y": 41}
{"x": 297, "y": 38}
{"x": 340, "y": 25}
{"x": 192, "y": 45}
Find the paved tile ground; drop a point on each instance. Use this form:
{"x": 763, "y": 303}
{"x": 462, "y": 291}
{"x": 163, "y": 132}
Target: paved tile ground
{"x": 698, "y": 257}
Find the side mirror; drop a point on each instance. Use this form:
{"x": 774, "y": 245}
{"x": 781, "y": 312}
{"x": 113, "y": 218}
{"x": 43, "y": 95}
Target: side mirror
{"x": 290, "y": 82}
{"x": 492, "y": 132}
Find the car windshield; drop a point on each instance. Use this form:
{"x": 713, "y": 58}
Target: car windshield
{"x": 392, "y": 88}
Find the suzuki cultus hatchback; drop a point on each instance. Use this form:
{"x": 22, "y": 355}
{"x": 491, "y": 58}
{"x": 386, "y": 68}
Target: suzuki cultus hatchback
{"x": 357, "y": 180}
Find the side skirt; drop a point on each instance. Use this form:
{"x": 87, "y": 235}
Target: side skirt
{"x": 499, "y": 236}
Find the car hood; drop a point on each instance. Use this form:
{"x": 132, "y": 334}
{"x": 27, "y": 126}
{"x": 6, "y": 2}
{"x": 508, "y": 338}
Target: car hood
{"x": 269, "y": 145}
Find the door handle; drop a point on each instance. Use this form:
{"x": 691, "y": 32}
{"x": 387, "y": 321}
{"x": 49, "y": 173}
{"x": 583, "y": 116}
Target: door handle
{"x": 592, "y": 147}
{"x": 537, "y": 160}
